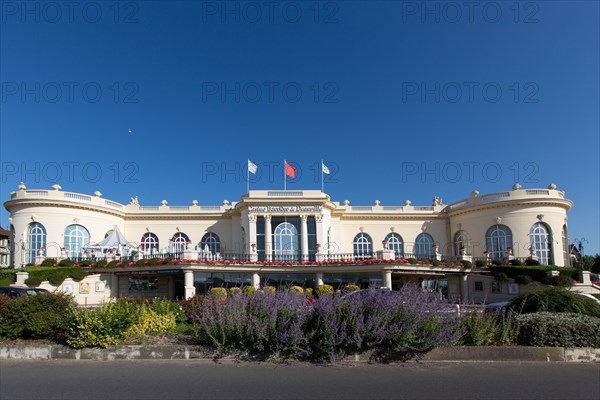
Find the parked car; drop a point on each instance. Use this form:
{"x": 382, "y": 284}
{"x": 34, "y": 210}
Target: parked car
{"x": 589, "y": 296}
{"x": 14, "y": 292}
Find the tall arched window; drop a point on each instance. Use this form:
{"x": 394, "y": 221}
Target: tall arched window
{"x": 149, "y": 243}
{"x": 565, "y": 243}
{"x": 363, "y": 246}
{"x": 424, "y": 246}
{"x": 394, "y": 242}
{"x": 285, "y": 241}
{"x": 210, "y": 242}
{"x": 36, "y": 240}
{"x": 462, "y": 242}
{"x": 497, "y": 239}
{"x": 178, "y": 242}
{"x": 76, "y": 238}
{"x": 541, "y": 242}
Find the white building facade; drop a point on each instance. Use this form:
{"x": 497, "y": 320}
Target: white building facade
{"x": 297, "y": 233}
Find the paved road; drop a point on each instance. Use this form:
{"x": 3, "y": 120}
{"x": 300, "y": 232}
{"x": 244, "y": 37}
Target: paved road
{"x": 69, "y": 379}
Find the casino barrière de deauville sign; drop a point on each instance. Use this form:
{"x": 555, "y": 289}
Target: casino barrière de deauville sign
{"x": 284, "y": 208}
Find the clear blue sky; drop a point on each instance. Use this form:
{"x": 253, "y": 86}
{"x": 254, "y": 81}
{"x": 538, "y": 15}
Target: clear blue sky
{"x": 403, "y": 100}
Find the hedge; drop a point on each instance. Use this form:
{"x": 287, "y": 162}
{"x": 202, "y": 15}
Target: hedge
{"x": 536, "y": 272}
{"x": 558, "y": 329}
{"x": 555, "y": 299}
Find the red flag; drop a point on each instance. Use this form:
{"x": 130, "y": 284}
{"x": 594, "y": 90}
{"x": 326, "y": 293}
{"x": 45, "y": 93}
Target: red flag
{"x": 289, "y": 170}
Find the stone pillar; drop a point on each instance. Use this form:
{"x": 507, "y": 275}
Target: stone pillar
{"x": 21, "y": 276}
{"x": 386, "y": 278}
{"x": 114, "y": 286}
{"x": 250, "y": 240}
{"x": 319, "y": 278}
{"x": 584, "y": 277}
{"x": 256, "y": 281}
{"x": 385, "y": 254}
{"x": 464, "y": 289}
{"x": 189, "y": 288}
{"x": 268, "y": 238}
{"x": 304, "y": 237}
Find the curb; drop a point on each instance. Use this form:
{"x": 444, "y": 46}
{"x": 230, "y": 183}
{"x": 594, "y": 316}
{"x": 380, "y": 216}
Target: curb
{"x": 174, "y": 352}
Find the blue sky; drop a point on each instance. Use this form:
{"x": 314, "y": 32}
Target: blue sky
{"x": 403, "y": 100}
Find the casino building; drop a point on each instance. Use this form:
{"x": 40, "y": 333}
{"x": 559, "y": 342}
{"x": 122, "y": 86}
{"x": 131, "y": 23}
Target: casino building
{"x": 292, "y": 237}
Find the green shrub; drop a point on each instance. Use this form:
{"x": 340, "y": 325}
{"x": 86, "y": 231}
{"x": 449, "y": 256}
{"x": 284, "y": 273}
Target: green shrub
{"x": 8, "y": 277}
{"x": 150, "y": 323}
{"x": 516, "y": 262}
{"x": 531, "y": 261}
{"x": 48, "y": 262}
{"x": 33, "y": 281}
{"x": 85, "y": 263}
{"x": 558, "y": 329}
{"x": 436, "y": 263}
{"x": 412, "y": 261}
{"x": 77, "y": 274}
{"x": 234, "y": 291}
{"x": 248, "y": 290}
{"x": 325, "y": 290}
{"x": 112, "y": 264}
{"x": 467, "y": 264}
{"x": 501, "y": 277}
{"x": 351, "y": 288}
{"x": 45, "y": 316}
{"x": 67, "y": 262}
{"x": 555, "y": 299}
{"x": 297, "y": 289}
{"x": 523, "y": 279}
{"x": 153, "y": 261}
{"x": 487, "y": 330}
{"x": 140, "y": 263}
{"x": 560, "y": 280}
{"x": 498, "y": 261}
{"x": 101, "y": 264}
{"x": 480, "y": 263}
{"x": 218, "y": 293}
{"x": 106, "y": 325}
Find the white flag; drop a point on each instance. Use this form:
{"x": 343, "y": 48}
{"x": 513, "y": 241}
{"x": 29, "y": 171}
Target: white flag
{"x": 324, "y": 167}
{"x": 252, "y": 167}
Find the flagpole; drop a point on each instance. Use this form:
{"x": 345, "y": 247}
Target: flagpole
{"x": 284, "y": 180}
{"x": 248, "y": 177}
{"x": 322, "y": 180}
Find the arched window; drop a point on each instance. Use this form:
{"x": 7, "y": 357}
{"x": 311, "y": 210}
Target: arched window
{"x": 36, "y": 239}
{"x": 178, "y": 242}
{"x": 462, "y": 242}
{"x": 285, "y": 241}
{"x": 76, "y": 238}
{"x": 424, "y": 246}
{"x": 497, "y": 240}
{"x": 565, "y": 243}
{"x": 210, "y": 242}
{"x": 393, "y": 241}
{"x": 363, "y": 246}
{"x": 149, "y": 243}
{"x": 541, "y": 242}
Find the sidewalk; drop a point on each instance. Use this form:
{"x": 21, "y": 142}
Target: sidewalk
{"x": 181, "y": 352}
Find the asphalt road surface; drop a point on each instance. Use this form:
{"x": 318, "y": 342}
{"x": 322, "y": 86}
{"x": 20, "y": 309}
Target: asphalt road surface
{"x": 71, "y": 379}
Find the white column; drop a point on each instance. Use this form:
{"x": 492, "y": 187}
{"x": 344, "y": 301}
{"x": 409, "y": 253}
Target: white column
{"x": 464, "y": 289}
{"x": 251, "y": 238}
{"x": 189, "y": 288}
{"x": 268, "y": 238}
{"x": 386, "y": 277}
{"x": 304, "y": 237}
{"x": 319, "y": 278}
{"x": 255, "y": 281}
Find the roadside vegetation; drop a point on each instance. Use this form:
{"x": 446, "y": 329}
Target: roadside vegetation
{"x": 321, "y": 326}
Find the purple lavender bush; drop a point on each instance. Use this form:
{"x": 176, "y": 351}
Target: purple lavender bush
{"x": 400, "y": 324}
